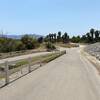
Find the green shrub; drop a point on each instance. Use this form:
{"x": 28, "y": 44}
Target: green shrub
{"x": 29, "y": 42}
{"x": 25, "y": 43}
{"x": 50, "y": 46}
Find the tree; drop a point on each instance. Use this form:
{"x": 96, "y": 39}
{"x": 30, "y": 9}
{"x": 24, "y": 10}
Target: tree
{"x": 59, "y": 37}
{"x": 40, "y": 39}
{"x": 55, "y": 37}
{"x": 89, "y": 39}
{"x": 83, "y": 39}
{"x": 92, "y": 34}
{"x": 65, "y": 38}
{"x": 50, "y": 37}
{"x": 46, "y": 39}
{"x": 76, "y": 39}
{"x": 97, "y": 36}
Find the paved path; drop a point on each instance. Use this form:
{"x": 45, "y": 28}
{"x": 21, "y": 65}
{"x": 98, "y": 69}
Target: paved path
{"x": 70, "y": 77}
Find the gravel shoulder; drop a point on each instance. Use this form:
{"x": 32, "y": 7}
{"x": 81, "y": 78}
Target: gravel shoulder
{"x": 94, "y": 50}
{"x": 92, "y": 53}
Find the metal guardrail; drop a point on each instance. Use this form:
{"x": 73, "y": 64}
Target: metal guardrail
{"x": 10, "y": 74}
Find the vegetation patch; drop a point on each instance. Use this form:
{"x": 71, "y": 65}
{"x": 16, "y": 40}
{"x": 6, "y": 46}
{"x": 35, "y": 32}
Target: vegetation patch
{"x": 50, "y": 46}
{"x": 68, "y": 45}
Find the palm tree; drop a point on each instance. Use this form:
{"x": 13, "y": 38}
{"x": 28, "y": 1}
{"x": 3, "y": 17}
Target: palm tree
{"x": 88, "y": 37}
{"x": 65, "y": 37}
{"x": 97, "y": 36}
{"x": 92, "y": 34}
{"x": 55, "y": 37}
{"x": 83, "y": 38}
{"x": 59, "y": 36}
{"x": 50, "y": 37}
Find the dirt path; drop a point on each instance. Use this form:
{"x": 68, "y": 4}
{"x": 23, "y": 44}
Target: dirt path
{"x": 22, "y": 57}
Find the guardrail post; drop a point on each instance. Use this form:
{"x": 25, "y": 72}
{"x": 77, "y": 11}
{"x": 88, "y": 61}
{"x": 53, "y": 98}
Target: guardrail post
{"x": 65, "y": 52}
{"x": 40, "y": 63}
{"x": 6, "y": 73}
{"x": 29, "y": 64}
{"x": 21, "y": 71}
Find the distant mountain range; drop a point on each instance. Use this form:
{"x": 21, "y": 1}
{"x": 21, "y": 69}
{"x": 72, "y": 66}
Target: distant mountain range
{"x": 19, "y": 36}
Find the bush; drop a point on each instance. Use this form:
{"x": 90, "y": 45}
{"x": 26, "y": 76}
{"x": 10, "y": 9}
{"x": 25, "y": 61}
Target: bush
{"x": 29, "y": 42}
{"x": 50, "y": 46}
{"x": 8, "y": 45}
{"x": 20, "y": 46}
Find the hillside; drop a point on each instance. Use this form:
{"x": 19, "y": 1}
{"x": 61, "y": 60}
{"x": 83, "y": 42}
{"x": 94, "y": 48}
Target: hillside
{"x": 19, "y": 36}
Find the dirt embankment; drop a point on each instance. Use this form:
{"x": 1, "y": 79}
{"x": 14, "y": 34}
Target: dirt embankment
{"x": 94, "y": 50}
{"x": 92, "y": 53}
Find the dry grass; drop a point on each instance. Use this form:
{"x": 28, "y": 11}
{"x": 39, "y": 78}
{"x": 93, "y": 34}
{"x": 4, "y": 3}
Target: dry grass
{"x": 67, "y": 45}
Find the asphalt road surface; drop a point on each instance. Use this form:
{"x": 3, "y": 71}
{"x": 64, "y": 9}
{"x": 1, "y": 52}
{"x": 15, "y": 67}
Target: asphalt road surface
{"x": 69, "y": 77}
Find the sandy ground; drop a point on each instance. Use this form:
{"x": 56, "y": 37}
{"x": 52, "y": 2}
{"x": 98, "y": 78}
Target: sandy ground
{"x": 22, "y": 57}
{"x": 70, "y": 77}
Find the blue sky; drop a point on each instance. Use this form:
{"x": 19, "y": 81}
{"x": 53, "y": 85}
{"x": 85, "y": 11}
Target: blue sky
{"x": 44, "y": 16}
